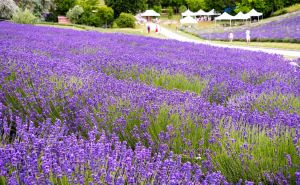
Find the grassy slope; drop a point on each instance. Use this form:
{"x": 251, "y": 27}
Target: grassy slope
{"x": 289, "y": 9}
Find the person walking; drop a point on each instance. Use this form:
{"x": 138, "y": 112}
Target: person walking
{"x": 148, "y": 28}
{"x": 248, "y": 37}
{"x": 156, "y": 28}
{"x": 230, "y": 37}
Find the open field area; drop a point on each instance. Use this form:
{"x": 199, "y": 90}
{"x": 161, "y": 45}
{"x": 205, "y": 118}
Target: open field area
{"x": 83, "y": 107}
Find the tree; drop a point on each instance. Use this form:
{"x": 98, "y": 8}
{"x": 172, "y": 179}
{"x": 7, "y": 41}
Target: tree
{"x": 157, "y": 8}
{"x": 74, "y": 13}
{"x": 195, "y": 5}
{"x": 127, "y": 6}
{"x": 89, "y": 17}
{"x": 106, "y": 15}
{"x": 88, "y": 3}
{"x": 153, "y": 3}
{"x": 170, "y": 12}
{"x": 63, "y": 6}
{"x": 219, "y": 5}
{"x": 182, "y": 9}
{"x": 7, "y": 8}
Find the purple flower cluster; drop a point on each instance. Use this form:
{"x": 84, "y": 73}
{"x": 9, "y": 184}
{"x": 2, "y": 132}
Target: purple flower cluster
{"x": 46, "y": 155}
{"x": 65, "y": 117}
{"x": 283, "y": 30}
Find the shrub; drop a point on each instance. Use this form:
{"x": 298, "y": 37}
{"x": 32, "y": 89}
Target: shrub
{"x": 7, "y": 8}
{"x": 106, "y": 15}
{"x": 24, "y": 17}
{"x": 182, "y": 8}
{"x": 89, "y": 18}
{"x": 157, "y": 8}
{"x": 125, "y": 20}
{"x": 74, "y": 13}
{"x": 170, "y": 12}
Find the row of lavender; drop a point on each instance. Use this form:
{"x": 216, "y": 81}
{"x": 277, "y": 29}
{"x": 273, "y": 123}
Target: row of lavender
{"x": 284, "y": 30}
{"x": 50, "y": 74}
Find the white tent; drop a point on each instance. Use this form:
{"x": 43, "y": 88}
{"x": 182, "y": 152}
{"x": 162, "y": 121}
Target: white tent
{"x": 188, "y": 20}
{"x": 150, "y": 13}
{"x": 200, "y": 13}
{"x": 225, "y": 16}
{"x": 241, "y": 16}
{"x": 212, "y": 13}
{"x": 187, "y": 13}
{"x": 254, "y": 13}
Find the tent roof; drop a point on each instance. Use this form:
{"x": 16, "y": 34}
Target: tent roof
{"x": 188, "y": 12}
{"x": 254, "y": 13}
{"x": 150, "y": 13}
{"x": 188, "y": 20}
{"x": 200, "y": 12}
{"x": 212, "y": 12}
{"x": 241, "y": 16}
{"x": 224, "y": 16}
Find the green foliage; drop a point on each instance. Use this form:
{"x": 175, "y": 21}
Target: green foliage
{"x": 195, "y": 5}
{"x": 125, "y": 20}
{"x": 89, "y": 18}
{"x": 106, "y": 15}
{"x": 128, "y": 6}
{"x": 63, "y": 6}
{"x": 160, "y": 79}
{"x": 24, "y": 17}
{"x": 289, "y": 9}
{"x": 7, "y": 8}
{"x": 88, "y": 3}
{"x": 157, "y": 8}
{"x": 152, "y": 3}
{"x": 170, "y": 12}
{"x": 267, "y": 7}
{"x": 74, "y": 13}
{"x": 182, "y": 9}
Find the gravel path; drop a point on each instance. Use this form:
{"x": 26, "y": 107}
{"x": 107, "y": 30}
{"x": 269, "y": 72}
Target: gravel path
{"x": 172, "y": 35}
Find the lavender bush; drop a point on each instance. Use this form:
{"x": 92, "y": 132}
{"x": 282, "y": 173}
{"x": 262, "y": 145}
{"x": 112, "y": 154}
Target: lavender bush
{"x": 85, "y": 107}
{"x": 287, "y": 30}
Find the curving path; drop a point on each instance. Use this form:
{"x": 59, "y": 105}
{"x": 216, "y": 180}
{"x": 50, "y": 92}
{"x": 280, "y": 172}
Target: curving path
{"x": 172, "y": 35}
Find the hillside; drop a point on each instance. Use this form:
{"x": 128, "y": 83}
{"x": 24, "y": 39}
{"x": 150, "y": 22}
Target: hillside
{"x": 285, "y": 28}
{"x": 281, "y": 28}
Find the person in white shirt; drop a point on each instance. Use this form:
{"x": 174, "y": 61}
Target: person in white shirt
{"x": 230, "y": 37}
{"x": 248, "y": 37}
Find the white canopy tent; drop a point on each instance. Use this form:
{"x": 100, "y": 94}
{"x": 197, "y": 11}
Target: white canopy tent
{"x": 188, "y": 12}
{"x": 225, "y": 16}
{"x": 241, "y": 16}
{"x": 149, "y": 14}
{"x": 200, "y": 13}
{"x": 212, "y": 13}
{"x": 254, "y": 13}
{"x": 188, "y": 20}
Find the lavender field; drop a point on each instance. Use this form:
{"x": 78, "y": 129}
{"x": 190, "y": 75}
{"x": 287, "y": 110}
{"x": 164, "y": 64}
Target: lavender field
{"x": 82, "y": 107}
{"x": 287, "y": 30}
